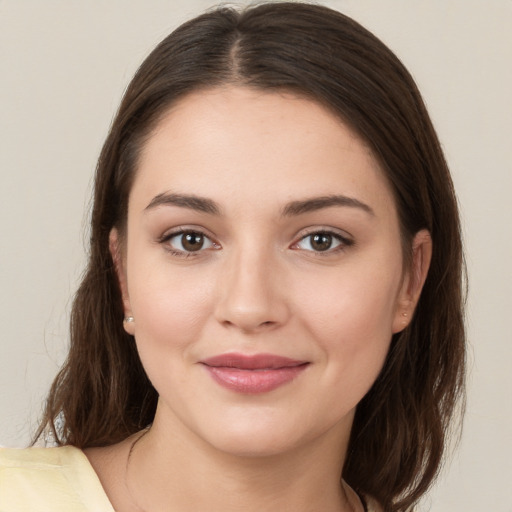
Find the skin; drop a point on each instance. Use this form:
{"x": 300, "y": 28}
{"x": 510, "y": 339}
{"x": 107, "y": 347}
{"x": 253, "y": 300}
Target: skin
{"x": 257, "y": 286}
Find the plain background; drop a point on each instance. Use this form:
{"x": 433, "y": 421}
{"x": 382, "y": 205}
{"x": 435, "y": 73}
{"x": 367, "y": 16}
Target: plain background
{"x": 64, "y": 65}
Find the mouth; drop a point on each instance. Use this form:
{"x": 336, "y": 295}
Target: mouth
{"x": 253, "y": 374}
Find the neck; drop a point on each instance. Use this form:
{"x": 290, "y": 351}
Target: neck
{"x": 165, "y": 470}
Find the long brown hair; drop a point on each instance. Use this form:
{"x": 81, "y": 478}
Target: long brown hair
{"x": 102, "y": 393}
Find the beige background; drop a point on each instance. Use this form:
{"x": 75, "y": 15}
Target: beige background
{"x": 64, "y": 66}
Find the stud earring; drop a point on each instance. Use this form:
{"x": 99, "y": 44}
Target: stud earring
{"x": 129, "y": 319}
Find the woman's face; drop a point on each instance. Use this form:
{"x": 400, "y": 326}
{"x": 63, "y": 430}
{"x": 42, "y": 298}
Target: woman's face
{"x": 263, "y": 268}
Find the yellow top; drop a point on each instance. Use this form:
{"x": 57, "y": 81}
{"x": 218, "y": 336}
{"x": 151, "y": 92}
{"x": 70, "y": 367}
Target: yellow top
{"x": 49, "y": 480}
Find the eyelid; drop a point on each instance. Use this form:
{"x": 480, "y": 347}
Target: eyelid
{"x": 186, "y": 228}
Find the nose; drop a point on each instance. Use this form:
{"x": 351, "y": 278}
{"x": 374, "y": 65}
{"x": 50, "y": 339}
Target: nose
{"x": 251, "y": 293}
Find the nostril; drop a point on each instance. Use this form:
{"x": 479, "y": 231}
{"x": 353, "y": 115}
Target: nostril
{"x": 248, "y": 326}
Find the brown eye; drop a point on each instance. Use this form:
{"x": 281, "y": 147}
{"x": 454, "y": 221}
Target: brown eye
{"x": 321, "y": 241}
{"x": 192, "y": 241}
{"x": 189, "y": 242}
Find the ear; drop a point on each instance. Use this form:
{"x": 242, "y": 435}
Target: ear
{"x": 116, "y": 251}
{"x": 413, "y": 281}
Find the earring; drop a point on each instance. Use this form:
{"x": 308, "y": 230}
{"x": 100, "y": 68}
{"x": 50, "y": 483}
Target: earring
{"x": 403, "y": 314}
{"x": 129, "y": 319}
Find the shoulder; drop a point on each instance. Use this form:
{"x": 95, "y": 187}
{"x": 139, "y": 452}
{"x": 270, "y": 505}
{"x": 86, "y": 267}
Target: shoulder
{"x": 56, "y": 479}
{"x": 32, "y": 458}
{"x": 368, "y": 503}
{"x": 372, "y": 505}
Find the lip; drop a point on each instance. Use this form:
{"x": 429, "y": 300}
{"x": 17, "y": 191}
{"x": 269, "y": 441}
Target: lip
{"x": 259, "y": 373}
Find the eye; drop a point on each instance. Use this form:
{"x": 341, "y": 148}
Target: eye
{"x": 188, "y": 241}
{"x": 322, "y": 241}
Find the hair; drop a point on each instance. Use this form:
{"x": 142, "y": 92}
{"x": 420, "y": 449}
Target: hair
{"x": 400, "y": 430}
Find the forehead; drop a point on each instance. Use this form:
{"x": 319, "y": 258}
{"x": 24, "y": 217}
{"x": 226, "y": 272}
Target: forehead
{"x": 246, "y": 145}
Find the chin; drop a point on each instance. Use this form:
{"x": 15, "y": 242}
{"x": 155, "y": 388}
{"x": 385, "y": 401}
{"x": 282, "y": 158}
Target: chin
{"x": 254, "y": 434}
{"x": 255, "y": 444}
{"x": 246, "y": 431}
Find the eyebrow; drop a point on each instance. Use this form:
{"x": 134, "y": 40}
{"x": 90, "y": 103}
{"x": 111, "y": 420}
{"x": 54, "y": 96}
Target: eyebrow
{"x": 319, "y": 203}
{"x": 192, "y": 202}
{"x": 205, "y": 205}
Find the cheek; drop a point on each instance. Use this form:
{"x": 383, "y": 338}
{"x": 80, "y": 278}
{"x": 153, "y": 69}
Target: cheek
{"x": 361, "y": 301}
{"x": 351, "y": 319}
{"x": 170, "y": 308}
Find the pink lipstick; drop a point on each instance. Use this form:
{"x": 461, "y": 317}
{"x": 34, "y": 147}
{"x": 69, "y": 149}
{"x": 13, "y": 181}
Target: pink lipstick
{"x": 258, "y": 373}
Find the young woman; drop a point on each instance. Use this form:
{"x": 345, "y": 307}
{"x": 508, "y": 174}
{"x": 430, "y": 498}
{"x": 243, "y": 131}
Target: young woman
{"x": 271, "y": 316}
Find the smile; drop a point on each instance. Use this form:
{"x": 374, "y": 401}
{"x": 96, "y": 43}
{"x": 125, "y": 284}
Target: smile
{"x": 259, "y": 373}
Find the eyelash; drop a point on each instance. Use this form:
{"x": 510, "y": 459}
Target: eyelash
{"x": 343, "y": 242}
{"x": 165, "y": 239}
